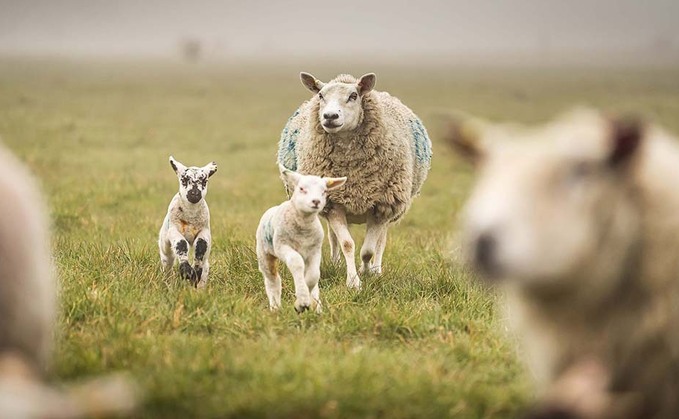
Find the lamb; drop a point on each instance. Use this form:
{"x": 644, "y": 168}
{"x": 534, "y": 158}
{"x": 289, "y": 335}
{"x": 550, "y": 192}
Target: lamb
{"x": 293, "y": 233}
{"x": 349, "y": 129}
{"x": 581, "y": 227}
{"x": 28, "y": 311}
{"x": 187, "y": 224}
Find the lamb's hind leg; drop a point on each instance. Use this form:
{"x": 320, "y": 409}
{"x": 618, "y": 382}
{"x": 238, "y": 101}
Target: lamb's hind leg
{"x": 371, "y": 246}
{"x": 201, "y": 264}
{"x": 338, "y": 222}
{"x": 272, "y": 281}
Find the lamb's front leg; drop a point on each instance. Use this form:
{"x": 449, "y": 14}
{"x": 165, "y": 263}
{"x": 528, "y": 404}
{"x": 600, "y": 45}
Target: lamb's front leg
{"x": 338, "y": 222}
{"x": 372, "y": 247}
{"x": 295, "y": 264}
{"x": 201, "y": 264}
{"x": 312, "y": 274}
{"x": 180, "y": 247}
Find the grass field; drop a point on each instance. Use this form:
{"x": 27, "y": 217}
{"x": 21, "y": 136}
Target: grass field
{"x": 422, "y": 340}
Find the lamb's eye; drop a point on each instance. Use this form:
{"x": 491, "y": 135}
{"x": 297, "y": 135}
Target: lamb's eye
{"x": 320, "y": 96}
{"x": 302, "y": 190}
{"x": 352, "y": 97}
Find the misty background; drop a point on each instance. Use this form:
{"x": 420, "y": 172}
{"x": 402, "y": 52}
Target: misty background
{"x": 539, "y": 30}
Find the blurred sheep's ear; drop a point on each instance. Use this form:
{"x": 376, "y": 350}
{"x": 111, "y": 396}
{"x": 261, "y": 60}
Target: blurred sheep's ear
{"x": 334, "y": 182}
{"x": 177, "y": 166}
{"x": 366, "y": 83}
{"x": 311, "y": 82}
{"x": 464, "y": 137}
{"x": 626, "y": 134}
{"x": 210, "y": 168}
{"x": 289, "y": 177}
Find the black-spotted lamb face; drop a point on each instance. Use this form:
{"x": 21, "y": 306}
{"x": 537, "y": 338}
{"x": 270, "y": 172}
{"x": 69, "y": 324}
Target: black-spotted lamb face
{"x": 340, "y": 105}
{"x": 555, "y": 208}
{"x": 193, "y": 180}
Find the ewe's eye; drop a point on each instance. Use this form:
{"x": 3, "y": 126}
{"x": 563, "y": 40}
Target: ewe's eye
{"x": 352, "y": 97}
{"x": 580, "y": 171}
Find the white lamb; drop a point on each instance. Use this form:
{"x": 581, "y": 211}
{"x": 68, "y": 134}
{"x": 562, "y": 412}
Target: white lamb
{"x": 187, "y": 224}
{"x": 349, "y": 129}
{"x": 293, "y": 233}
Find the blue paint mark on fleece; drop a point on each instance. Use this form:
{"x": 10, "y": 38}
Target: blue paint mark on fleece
{"x": 268, "y": 232}
{"x": 287, "y": 153}
{"x": 421, "y": 143}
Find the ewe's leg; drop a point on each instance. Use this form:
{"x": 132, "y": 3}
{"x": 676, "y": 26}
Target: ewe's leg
{"x": 312, "y": 274}
{"x": 381, "y": 245}
{"x": 272, "y": 281}
{"x": 201, "y": 264}
{"x": 370, "y": 248}
{"x": 334, "y": 246}
{"x": 295, "y": 264}
{"x": 181, "y": 248}
{"x": 338, "y": 222}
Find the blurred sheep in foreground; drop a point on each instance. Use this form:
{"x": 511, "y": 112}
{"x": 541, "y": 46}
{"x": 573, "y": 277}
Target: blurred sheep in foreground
{"x": 27, "y": 313}
{"x": 578, "y": 220}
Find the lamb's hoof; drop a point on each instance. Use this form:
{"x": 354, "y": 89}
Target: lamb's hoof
{"x": 376, "y": 270}
{"x": 354, "y": 283}
{"x": 302, "y": 305}
{"x": 186, "y": 271}
{"x": 316, "y": 306}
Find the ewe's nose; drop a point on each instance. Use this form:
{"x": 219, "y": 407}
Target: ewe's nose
{"x": 331, "y": 116}
{"x": 316, "y": 202}
{"x": 485, "y": 254}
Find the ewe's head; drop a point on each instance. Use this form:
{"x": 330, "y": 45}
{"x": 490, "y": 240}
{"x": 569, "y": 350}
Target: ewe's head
{"x": 193, "y": 180}
{"x": 340, "y": 101}
{"x": 557, "y": 210}
{"x": 309, "y": 192}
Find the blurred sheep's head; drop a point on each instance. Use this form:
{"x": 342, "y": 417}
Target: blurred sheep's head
{"x": 553, "y": 209}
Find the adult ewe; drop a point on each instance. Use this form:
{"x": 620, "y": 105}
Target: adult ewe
{"x": 580, "y": 223}
{"x": 378, "y": 143}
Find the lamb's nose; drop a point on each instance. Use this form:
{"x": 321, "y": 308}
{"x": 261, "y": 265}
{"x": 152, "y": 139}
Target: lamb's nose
{"x": 316, "y": 202}
{"x": 485, "y": 255}
{"x": 331, "y": 116}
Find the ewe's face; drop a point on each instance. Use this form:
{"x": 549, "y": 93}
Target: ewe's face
{"x": 340, "y": 104}
{"x": 193, "y": 180}
{"x": 541, "y": 215}
{"x": 340, "y": 107}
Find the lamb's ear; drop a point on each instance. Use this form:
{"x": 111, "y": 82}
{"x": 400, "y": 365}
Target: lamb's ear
{"x": 626, "y": 134}
{"x": 177, "y": 166}
{"x": 366, "y": 83}
{"x": 464, "y": 137}
{"x": 311, "y": 82}
{"x": 210, "y": 168}
{"x": 289, "y": 177}
{"x": 334, "y": 182}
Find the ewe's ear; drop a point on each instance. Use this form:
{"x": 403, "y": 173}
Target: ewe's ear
{"x": 289, "y": 177}
{"x": 334, "y": 182}
{"x": 366, "y": 83}
{"x": 177, "y": 166}
{"x": 626, "y": 135}
{"x": 311, "y": 82}
{"x": 464, "y": 136}
{"x": 210, "y": 168}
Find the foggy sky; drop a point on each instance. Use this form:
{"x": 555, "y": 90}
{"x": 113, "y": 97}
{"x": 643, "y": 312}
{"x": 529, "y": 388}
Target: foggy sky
{"x": 337, "y": 28}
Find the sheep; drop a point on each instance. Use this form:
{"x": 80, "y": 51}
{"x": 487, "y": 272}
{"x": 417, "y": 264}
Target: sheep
{"x": 187, "y": 224}
{"x": 292, "y": 232}
{"x": 580, "y": 226}
{"x": 28, "y": 310}
{"x": 380, "y": 144}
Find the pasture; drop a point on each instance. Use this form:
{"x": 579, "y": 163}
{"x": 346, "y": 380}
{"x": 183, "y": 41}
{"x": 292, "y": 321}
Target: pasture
{"x": 422, "y": 340}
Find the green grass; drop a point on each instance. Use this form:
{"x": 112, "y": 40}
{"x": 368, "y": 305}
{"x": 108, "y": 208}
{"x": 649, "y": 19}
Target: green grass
{"x": 423, "y": 340}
